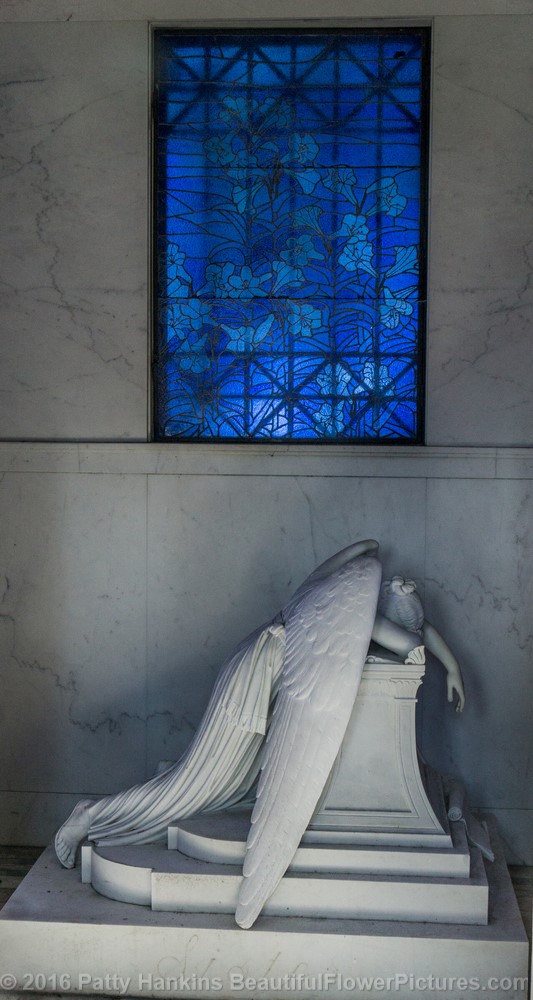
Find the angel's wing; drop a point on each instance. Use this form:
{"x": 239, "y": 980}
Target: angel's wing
{"x": 328, "y": 631}
{"x": 218, "y": 767}
{"x": 368, "y": 547}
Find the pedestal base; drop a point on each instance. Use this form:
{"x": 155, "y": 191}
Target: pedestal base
{"x": 58, "y": 929}
{"x": 203, "y": 874}
{"x": 221, "y": 839}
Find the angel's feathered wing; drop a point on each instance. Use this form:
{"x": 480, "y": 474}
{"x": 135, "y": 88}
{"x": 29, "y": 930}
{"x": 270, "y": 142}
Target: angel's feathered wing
{"x": 328, "y": 630}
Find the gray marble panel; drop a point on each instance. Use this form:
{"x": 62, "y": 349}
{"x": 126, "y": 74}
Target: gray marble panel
{"x": 225, "y": 553}
{"x": 480, "y": 296}
{"x": 32, "y": 818}
{"x": 72, "y": 632}
{"x": 479, "y": 589}
{"x": 480, "y": 384}
{"x": 73, "y": 243}
{"x": 248, "y": 10}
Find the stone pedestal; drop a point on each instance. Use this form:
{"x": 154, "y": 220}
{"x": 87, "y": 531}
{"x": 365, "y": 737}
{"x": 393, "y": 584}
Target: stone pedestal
{"x": 377, "y": 791}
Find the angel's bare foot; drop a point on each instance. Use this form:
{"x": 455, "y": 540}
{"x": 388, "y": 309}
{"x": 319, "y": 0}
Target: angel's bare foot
{"x": 73, "y": 831}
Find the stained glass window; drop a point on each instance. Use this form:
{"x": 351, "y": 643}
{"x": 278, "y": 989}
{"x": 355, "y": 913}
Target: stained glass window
{"x": 290, "y": 173}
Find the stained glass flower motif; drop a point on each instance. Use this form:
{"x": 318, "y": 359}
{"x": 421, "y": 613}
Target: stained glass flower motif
{"x": 376, "y": 380}
{"x": 388, "y": 198}
{"x": 243, "y": 284}
{"x": 342, "y": 181}
{"x": 244, "y": 339}
{"x": 334, "y": 382}
{"x": 357, "y": 255}
{"x": 237, "y": 111}
{"x": 303, "y": 148}
{"x": 289, "y": 233}
{"x": 218, "y": 150}
{"x": 392, "y": 309}
{"x": 177, "y": 281}
{"x": 304, "y": 319}
{"x": 300, "y": 250}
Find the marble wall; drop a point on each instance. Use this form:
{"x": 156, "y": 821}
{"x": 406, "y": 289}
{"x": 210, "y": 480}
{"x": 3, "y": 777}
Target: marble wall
{"x": 129, "y": 572}
{"x": 73, "y": 252}
{"x": 481, "y": 250}
{"x": 74, "y": 243}
{"x": 129, "y": 569}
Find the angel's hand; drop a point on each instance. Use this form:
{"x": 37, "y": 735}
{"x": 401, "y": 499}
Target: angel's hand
{"x": 455, "y": 686}
{"x": 436, "y": 645}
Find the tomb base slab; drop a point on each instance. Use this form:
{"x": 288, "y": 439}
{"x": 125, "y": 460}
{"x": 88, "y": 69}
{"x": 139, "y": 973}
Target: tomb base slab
{"x": 58, "y": 935}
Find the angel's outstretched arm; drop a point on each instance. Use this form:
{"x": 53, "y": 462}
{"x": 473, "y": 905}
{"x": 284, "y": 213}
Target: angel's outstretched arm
{"x": 437, "y": 645}
{"x": 394, "y": 637}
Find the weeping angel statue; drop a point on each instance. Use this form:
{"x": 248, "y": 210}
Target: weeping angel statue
{"x": 278, "y": 713}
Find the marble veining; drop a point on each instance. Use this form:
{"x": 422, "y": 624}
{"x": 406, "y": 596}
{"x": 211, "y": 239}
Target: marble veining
{"x": 73, "y": 251}
{"x": 480, "y": 295}
{"x": 490, "y": 591}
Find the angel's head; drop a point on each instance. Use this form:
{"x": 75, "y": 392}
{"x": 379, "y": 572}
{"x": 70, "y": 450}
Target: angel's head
{"x": 400, "y": 603}
{"x": 400, "y": 585}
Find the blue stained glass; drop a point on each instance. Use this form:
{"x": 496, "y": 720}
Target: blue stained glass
{"x": 289, "y": 245}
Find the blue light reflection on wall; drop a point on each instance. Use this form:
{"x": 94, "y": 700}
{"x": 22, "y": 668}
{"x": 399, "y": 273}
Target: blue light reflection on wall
{"x": 290, "y": 174}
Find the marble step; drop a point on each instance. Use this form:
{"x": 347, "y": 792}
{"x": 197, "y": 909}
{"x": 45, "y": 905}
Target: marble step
{"x": 170, "y": 881}
{"x": 221, "y": 839}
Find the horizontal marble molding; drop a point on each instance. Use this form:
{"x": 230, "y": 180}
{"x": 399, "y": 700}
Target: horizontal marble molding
{"x": 267, "y": 460}
{"x": 228, "y": 10}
